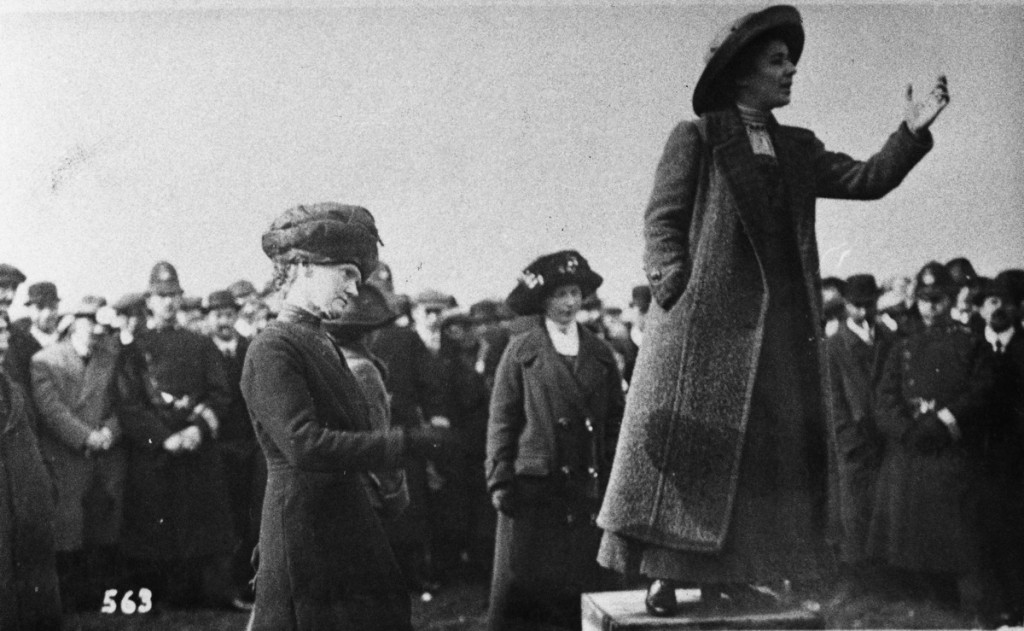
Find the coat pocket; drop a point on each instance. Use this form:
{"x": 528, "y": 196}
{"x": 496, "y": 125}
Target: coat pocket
{"x": 668, "y": 284}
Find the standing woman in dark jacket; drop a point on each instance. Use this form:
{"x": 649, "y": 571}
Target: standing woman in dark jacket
{"x": 324, "y": 560}
{"x": 718, "y": 478}
{"x": 554, "y": 416}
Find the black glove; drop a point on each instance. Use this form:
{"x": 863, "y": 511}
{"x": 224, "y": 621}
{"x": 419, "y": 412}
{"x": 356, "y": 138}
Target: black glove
{"x": 928, "y": 434}
{"x": 503, "y": 500}
{"x": 427, "y": 441}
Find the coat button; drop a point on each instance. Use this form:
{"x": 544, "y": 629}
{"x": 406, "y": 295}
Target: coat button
{"x": 566, "y": 470}
{"x": 589, "y": 425}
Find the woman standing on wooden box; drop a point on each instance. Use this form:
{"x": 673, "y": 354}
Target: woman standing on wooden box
{"x": 719, "y": 474}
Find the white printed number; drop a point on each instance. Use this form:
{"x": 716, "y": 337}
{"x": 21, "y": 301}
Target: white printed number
{"x": 128, "y": 605}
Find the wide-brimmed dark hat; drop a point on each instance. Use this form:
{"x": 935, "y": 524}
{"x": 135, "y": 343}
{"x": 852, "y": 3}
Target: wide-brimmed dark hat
{"x": 862, "y": 289}
{"x": 1014, "y": 279}
{"x": 547, "y": 273}
{"x": 222, "y": 299}
{"x": 327, "y": 233}
{"x": 42, "y": 294}
{"x": 934, "y": 280}
{"x": 782, "y": 20}
{"x": 163, "y": 280}
{"x": 369, "y": 310}
{"x": 10, "y": 275}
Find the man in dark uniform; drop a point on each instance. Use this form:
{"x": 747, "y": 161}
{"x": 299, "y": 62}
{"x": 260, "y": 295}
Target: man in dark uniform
{"x": 244, "y": 465}
{"x": 177, "y": 522}
{"x": 854, "y": 358}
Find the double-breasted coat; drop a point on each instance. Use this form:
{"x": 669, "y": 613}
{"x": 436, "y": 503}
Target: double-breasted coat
{"x": 29, "y": 592}
{"x": 176, "y": 504}
{"x": 707, "y": 236}
{"x": 550, "y": 436}
{"x": 74, "y": 398}
{"x": 324, "y": 559}
{"x": 853, "y": 370}
{"x": 926, "y": 498}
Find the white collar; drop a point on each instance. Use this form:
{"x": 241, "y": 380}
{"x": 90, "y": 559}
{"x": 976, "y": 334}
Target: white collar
{"x": 567, "y": 343}
{"x": 636, "y": 334}
{"x": 863, "y": 332}
{"x": 1004, "y": 338}
{"x": 230, "y": 346}
{"x": 44, "y": 339}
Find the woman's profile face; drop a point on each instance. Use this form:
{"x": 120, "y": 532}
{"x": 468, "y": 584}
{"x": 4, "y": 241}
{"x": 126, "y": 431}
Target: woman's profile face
{"x": 770, "y": 83}
{"x": 563, "y": 304}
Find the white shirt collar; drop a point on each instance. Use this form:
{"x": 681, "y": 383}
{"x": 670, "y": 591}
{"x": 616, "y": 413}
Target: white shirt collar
{"x": 991, "y": 337}
{"x": 637, "y": 335}
{"x": 565, "y": 343}
{"x": 863, "y": 332}
{"x": 226, "y": 347}
{"x": 44, "y": 339}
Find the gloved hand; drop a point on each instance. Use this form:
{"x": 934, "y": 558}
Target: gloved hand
{"x": 503, "y": 500}
{"x": 427, "y": 441}
{"x": 928, "y": 434}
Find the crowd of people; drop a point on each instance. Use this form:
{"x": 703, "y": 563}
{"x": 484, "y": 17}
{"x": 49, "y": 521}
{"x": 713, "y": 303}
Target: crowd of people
{"x": 317, "y": 451}
{"x": 144, "y": 440}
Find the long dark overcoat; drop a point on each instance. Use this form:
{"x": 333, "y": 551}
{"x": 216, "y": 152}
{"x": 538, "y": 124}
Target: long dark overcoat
{"x": 29, "y": 593}
{"x": 324, "y": 559}
{"x": 538, "y": 442}
{"x": 853, "y": 370}
{"x": 75, "y": 398}
{"x": 926, "y": 501}
{"x": 688, "y": 404}
{"x": 176, "y": 505}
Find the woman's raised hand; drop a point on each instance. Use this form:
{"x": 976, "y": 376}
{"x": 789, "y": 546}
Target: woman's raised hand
{"x": 920, "y": 114}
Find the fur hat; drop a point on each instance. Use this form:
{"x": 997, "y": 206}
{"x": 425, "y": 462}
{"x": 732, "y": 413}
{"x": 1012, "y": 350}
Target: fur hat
{"x": 782, "y": 20}
{"x": 547, "y": 273}
{"x": 325, "y": 233}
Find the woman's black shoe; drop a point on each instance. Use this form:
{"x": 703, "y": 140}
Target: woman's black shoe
{"x": 661, "y": 598}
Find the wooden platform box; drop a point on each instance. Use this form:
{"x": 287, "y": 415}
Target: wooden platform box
{"x": 621, "y": 611}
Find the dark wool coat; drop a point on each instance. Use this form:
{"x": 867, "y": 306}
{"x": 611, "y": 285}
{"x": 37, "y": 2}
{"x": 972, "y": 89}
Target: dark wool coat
{"x": 537, "y": 443}
{"x": 74, "y": 399}
{"x": 29, "y": 595}
{"x": 926, "y": 499}
{"x": 176, "y": 505}
{"x": 688, "y": 403}
{"x": 853, "y": 369}
{"x": 324, "y": 560}
{"x": 412, "y": 379}
{"x": 18, "y": 359}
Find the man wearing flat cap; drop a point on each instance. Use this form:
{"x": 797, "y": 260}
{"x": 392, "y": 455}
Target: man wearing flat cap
{"x": 323, "y": 558}
{"x": 79, "y": 434}
{"x": 177, "y": 524}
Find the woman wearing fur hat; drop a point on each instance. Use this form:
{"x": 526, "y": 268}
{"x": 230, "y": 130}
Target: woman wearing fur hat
{"x": 554, "y": 414}
{"x": 718, "y": 478}
{"x": 324, "y": 560}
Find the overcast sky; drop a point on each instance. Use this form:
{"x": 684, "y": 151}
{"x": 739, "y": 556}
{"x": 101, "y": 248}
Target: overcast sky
{"x": 480, "y": 137}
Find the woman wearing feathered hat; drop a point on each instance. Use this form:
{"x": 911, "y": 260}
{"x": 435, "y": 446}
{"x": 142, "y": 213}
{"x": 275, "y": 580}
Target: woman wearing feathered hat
{"x": 555, "y": 410}
{"x": 324, "y": 559}
{"x": 718, "y": 475}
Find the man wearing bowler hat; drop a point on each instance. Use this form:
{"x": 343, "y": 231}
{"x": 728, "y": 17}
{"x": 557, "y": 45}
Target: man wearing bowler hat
{"x": 244, "y": 466}
{"x": 854, "y": 358}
